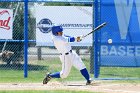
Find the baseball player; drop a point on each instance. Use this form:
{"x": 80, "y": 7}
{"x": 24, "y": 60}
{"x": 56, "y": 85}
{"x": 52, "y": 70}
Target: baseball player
{"x": 68, "y": 57}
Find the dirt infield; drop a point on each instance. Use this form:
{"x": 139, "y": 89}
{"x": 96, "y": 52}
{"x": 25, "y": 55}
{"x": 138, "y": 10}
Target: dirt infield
{"x": 78, "y": 86}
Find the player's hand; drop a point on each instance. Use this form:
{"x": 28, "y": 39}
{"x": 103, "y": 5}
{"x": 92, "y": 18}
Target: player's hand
{"x": 79, "y": 38}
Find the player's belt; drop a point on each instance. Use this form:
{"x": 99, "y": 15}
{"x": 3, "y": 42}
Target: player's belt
{"x": 67, "y": 52}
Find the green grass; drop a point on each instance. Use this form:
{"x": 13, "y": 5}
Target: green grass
{"x": 38, "y": 69}
{"x": 120, "y": 72}
{"x": 46, "y": 91}
{"x": 36, "y": 72}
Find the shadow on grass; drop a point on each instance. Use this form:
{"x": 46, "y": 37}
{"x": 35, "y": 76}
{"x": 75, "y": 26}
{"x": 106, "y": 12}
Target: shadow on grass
{"x": 21, "y": 67}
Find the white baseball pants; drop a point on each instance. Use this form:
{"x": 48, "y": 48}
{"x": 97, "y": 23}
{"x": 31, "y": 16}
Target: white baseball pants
{"x": 69, "y": 60}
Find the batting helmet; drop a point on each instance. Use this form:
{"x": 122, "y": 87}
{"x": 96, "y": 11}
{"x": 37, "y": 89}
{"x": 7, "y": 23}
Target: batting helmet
{"x": 56, "y": 29}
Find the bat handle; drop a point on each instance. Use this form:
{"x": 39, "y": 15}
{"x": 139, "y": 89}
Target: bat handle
{"x": 82, "y": 37}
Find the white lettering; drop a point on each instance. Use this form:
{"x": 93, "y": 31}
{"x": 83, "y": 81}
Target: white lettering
{"x": 123, "y": 10}
{"x": 120, "y": 50}
{"x": 137, "y": 2}
{"x": 130, "y": 51}
{"x": 104, "y": 50}
{"x": 113, "y": 51}
{"x": 137, "y": 51}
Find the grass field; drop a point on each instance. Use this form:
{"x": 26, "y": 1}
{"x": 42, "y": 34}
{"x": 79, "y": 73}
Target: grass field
{"x": 37, "y": 70}
{"x": 13, "y": 75}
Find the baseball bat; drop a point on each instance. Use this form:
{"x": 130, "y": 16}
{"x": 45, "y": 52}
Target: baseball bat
{"x": 97, "y": 28}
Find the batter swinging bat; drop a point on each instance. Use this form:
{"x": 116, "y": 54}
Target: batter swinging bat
{"x": 97, "y": 28}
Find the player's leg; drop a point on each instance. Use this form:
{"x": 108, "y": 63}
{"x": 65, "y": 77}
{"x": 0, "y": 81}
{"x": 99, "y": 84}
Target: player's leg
{"x": 52, "y": 75}
{"x": 78, "y": 63}
{"x": 85, "y": 73}
{"x": 66, "y": 67}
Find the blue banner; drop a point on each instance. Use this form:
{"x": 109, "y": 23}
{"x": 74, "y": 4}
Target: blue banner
{"x": 123, "y": 28}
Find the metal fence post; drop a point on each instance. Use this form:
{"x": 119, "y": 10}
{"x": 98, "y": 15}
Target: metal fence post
{"x": 39, "y": 53}
{"x": 96, "y": 66}
{"x": 26, "y": 38}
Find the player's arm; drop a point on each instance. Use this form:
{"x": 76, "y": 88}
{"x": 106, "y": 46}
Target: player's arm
{"x": 69, "y": 38}
{"x": 73, "y": 39}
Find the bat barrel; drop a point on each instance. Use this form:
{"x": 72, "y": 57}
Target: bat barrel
{"x": 100, "y": 26}
{"x": 97, "y": 28}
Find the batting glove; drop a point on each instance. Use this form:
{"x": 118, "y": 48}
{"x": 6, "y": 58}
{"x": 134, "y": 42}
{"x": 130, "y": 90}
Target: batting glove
{"x": 79, "y": 38}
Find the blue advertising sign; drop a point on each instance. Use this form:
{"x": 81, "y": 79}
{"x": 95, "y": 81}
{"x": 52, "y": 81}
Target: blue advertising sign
{"x": 120, "y": 39}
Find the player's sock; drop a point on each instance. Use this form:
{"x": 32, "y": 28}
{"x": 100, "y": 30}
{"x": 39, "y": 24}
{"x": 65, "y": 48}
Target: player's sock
{"x": 85, "y": 73}
{"x": 55, "y": 75}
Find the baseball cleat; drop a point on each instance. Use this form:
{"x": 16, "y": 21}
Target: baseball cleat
{"x": 47, "y": 79}
{"x": 88, "y": 82}
{"x": 93, "y": 83}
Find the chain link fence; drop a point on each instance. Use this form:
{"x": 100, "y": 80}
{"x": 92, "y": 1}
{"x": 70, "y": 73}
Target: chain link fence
{"x": 44, "y": 59}
{"x": 41, "y": 60}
